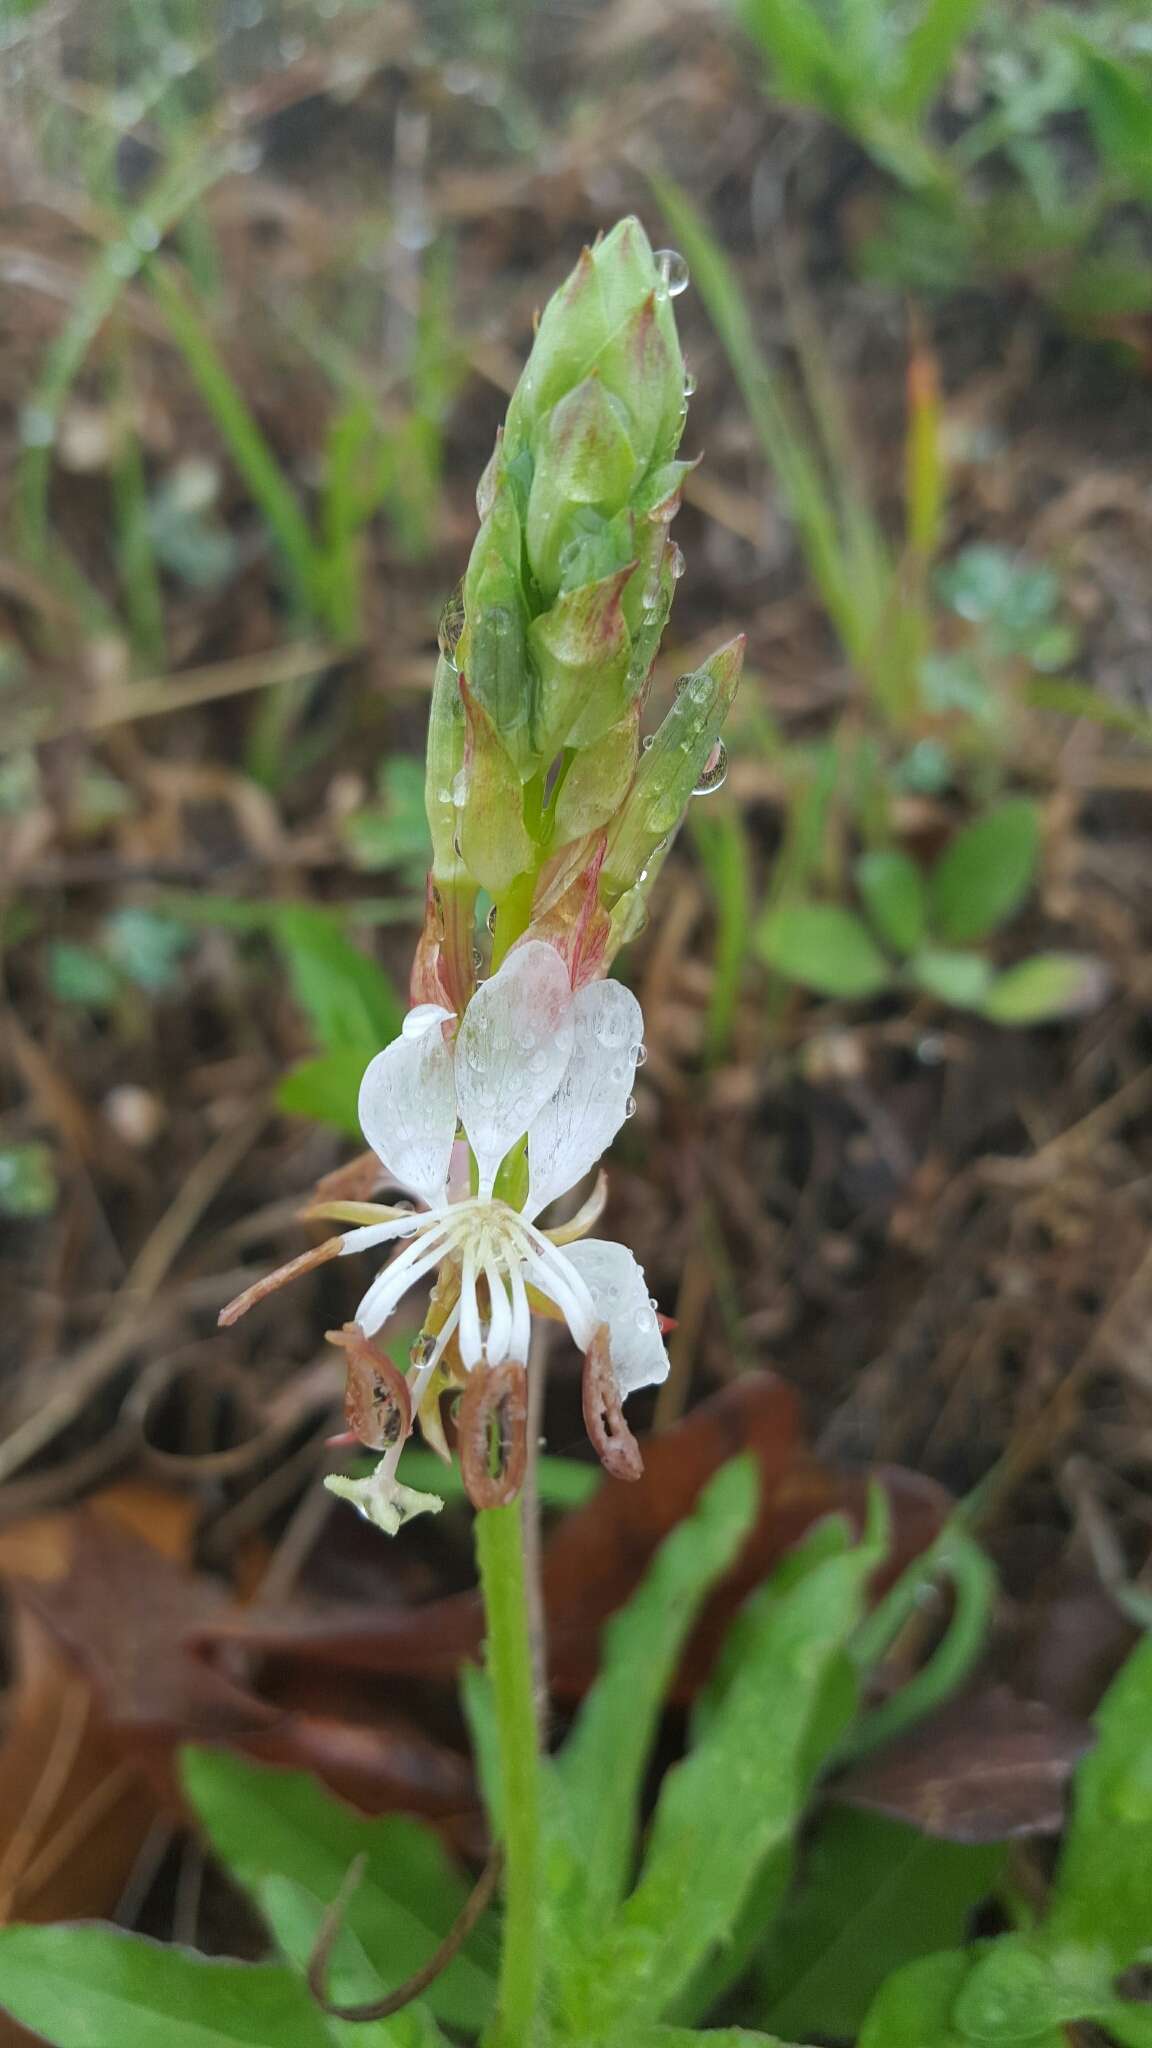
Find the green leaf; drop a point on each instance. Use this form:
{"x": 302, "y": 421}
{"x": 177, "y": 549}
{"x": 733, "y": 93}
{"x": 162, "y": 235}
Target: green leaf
{"x": 739, "y": 1794}
{"x": 1116, "y": 98}
{"x": 328, "y": 1089}
{"x": 916, "y": 2009}
{"x": 1103, "y": 1891}
{"x": 80, "y": 975}
{"x": 349, "y": 999}
{"x": 293, "y": 1911}
{"x": 874, "y": 1894}
{"x": 1048, "y": 985}
{"x": 825, "y": 949}
{"x": 986, "y": 873}
{"x": 602, "y": 1765}
{"x": 892, "y": 891}
{"x": 87, "y": 1987}
{"x": 1024, "y": 1988}
{"x": 1130, "y": 2025}
{"x": 689, "y": 2037}
{"x": 28, "y": 1187}
{"x": 952, "y": 977}
{"x": 268, "y": 1824}
{"x": 146, "y": 945}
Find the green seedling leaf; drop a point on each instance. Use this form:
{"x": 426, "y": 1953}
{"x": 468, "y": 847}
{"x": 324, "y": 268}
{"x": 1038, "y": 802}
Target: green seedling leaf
{"x": 916, "y": 2009}
{"x": 738, "y": 1796}
{"x": 86, "y": 1987}
{"x": 351, "y": 1980}
{"x": 1024, "y": 1989}
{"x": 602, "y": 1765}
{"x": 28, "y": 1187}
{"x": 79, "y": 975}
{"x": 1102, "y": 1897}
{"x": 825, "y": 949}
{"x": 892, "y": 892}
{"x": 953, "y": 977}
{"x": 986, "y": 873}
{"x": 349, "y": 999}
{"x": 268, "y": 1824}
{"x": 393, "y": 831}
{"x": 1130, "y": 2025}
{"x": 147, "y": 945}
{"x": 874, "y": 1895}
{"x": 1049, "y": 985}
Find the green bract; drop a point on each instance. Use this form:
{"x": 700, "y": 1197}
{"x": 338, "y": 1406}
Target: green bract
{"x": 547, "y": 651}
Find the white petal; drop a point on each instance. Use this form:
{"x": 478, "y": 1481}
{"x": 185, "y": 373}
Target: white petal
{"x": 408, "y": 1111}
{"x": 617, "y": 1286}
{"x": 552, "y": 1275}
{"x": 372, "y": 1234}
{"x": 511, "y": 1051}
{"x": 420, "y": 1020}
{"x": 500, "y": 1318}
{"x": 521, "y": 1316}
{"x": 390, "y": 1286}
{"x": 471, "y": 1346}
{"x": 581, "y": 1119}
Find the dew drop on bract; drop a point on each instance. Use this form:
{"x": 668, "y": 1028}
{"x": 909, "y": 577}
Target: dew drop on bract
{"x": 689, "y": 381}
{"x": 676, "y": 562}
{"x": 649, "y": 740}
{"x": 490, "y": 920}
{"x": 673, "y": 271}
{"x": 630, "y": 1107}
{"x": 715, "y": 771}
{"x": 451, "y": 625}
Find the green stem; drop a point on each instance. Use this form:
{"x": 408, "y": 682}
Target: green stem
{"x": 500, "y": 1555}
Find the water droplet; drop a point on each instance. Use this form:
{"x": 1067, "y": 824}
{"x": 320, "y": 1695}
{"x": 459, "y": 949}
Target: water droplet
{"x": 645, "y": 1320}
{"x": 651, "y": 594}
{"x": 457, "y": 849}
{"x": 422, "y": 1349}
{"x": 451, "y": 625}
{"x": 652, "y": 1301}
{"x": 649, "y": 741}
{"x": 715, "y": 771}
{"x": 476, "y": 1056}
{"x": 638, "y": 1054}
{"x": 682, "y": 683}
{"x": 643, "y": 875}
{"x": 673, "y": 272}
{"x": 538, "y": 1063}
{"x": 460, "y": 788}
{"x": 689, "y": 381}
{"x": 630, "y": 1107}
{"x": 621, "y": 1071}
{"x": 490, "y": 920}
{"x": 404, "y": 1206}
{"x": 676, "y": 562}
{"x": 477, "y": 959}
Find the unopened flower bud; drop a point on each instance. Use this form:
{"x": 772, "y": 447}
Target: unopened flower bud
{"x": 670, "y": 770}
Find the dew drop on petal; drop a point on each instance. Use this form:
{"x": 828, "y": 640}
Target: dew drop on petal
{"x": 673, "y": 272}
{"x": 630, "y": 1107}
{"x": 715, "y": 771}
{"x": 421, "y": 1352}
{"x": 490, "y": 920}
{"x": 638, "y": 1054}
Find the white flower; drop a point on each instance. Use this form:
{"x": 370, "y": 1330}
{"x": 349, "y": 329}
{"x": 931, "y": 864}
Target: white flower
{"x": 531, "y": 1060}
{"x": 540, "y": 1079}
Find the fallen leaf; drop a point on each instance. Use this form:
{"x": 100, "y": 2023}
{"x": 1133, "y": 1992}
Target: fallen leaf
{"x": 988, "y": 1768}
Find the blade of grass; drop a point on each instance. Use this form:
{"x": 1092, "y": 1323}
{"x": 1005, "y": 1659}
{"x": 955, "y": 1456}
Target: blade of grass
{"x": 175, "y": 190}
{"x": 928, "y": 52}
{"x": 139, "y": 573}
{"x": 723, "y": 851}
{"x": 240, "y": 432}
